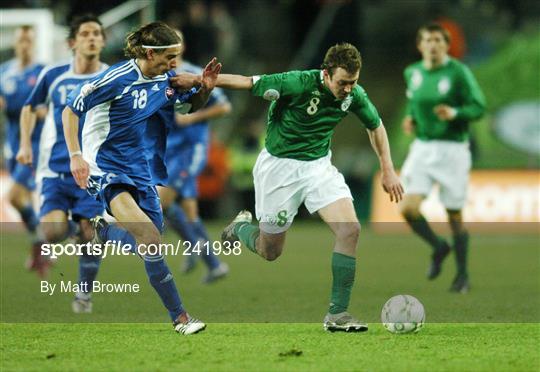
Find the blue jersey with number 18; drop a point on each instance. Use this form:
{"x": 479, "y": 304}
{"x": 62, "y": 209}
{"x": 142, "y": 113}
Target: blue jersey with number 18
{"x": 117, "y": 104}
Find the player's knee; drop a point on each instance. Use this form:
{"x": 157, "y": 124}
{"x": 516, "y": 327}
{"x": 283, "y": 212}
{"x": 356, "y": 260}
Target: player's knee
{"x": 410, "y": 211}
{"x": 15, "y": 199}
{"x": 150, "y": 237}
{"x": 349, "y": 231}
{"x": 86, "y": 233}
{"x": 271, "y": 255}
{"x": 272, "y": 250}
{"x": 456, "y": 223}
{"x": 54, "y": 232}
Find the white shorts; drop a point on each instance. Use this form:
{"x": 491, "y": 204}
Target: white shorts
{"x": 282, "y": 185}
{"x": 446, "y": 163}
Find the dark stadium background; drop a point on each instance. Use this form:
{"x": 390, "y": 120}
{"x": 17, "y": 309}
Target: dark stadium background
{"x": 254, "y": 37}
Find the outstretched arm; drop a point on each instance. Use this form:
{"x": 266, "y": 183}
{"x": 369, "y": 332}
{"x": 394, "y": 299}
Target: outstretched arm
{"x": 390, "y": 181}
{"x": 229, "y": 81}
{"x": 79, "y": 167}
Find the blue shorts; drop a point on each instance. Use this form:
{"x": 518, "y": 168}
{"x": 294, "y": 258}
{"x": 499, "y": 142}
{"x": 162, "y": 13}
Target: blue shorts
{"x": 185, "y": 167}
{"x": 62, "y": 193}
{"x": 21, "y": 174}
{"x": 105, "y": 188}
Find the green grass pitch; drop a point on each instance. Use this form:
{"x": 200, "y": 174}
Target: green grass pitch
{"x": 267, "y": 316}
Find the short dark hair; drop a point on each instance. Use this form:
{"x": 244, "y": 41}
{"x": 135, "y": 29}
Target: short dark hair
{"x": 433, "y": 27}
{"x": 155, "y": 33}
{"x": 25, "y": 28}
{"x": 342, "y": 55}
{"x": 77, "y": 21}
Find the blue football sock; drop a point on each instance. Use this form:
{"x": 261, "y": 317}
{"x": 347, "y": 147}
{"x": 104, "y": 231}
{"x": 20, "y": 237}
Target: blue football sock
{"x": 200, "y": 230}
{"x": 162, "y": 280}
{"x": 88, "y": 269}
{"x": 29, "y": 218}
{"x": 207, "y": 255}
{"x": 158, "y": 273}
{"x": 73, "y": 229}
{"x": 179, "y": 223}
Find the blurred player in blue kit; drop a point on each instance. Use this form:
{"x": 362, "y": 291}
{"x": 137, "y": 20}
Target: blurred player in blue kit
{"x": 18, "y": 77}
{"x": 112, "y": 162}
{"x": 184, "y": 158}
{"x": 60, "y": 198}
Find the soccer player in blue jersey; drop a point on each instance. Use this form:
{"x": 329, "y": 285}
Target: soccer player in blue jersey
{"x": 59, "y": 194}
{"x": 117, "y": 105}
{"x": 17, "y": 79}
{"x": 185, "y": 158}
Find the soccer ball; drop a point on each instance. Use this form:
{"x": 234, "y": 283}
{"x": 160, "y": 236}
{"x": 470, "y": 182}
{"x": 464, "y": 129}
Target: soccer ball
{"x": 403, "y": 314}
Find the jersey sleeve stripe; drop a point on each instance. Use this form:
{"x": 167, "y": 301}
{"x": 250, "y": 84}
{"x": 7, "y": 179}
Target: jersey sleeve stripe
{"x": 111, "y": 75}
{"x": 123, "y": 70}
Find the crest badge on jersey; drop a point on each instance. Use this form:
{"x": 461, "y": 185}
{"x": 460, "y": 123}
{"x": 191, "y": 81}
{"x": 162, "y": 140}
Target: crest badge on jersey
{"x": 346, "y": 103}
{"x": 416, "y": 79}
{"x": 9, "y": 86}
{"x": 32, "y": 80}
{"x": 169, "y": 92}
{"x": 271, "y": 95}
{"x": 444, "y": 86}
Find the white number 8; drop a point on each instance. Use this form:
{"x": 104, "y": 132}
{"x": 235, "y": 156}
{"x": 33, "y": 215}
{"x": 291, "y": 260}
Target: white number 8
{"x": 312, "y": 108}
{"x": 140, "y": 98}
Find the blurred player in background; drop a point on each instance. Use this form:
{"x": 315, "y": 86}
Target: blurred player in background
{"x": 295, "y": 166}
{"x": 443, "y": 97}
{"x": 185, "y": 158}
{"x": 60, "y": 197}
{"x": 118, "y": 104}
{"x": 17, "y": 79}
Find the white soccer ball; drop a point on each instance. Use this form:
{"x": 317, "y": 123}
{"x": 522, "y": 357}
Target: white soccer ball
{"x": 403, "y": 314}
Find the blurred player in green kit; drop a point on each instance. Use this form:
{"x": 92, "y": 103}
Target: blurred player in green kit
{"x": 295, "y": 167}
{"x": 443, "y": 97}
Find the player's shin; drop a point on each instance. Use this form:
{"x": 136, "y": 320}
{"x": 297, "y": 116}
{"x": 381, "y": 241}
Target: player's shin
{"x": 29, "y": 218}
{"x": 247, "y": 234}
{"x": 162, "y": 280}
{"x": 343, "y": 272}
{"x": 178, "y": 222}
{"x": 461, "y": 245}
{"x": 88, "y": 270}
{"x": 421, "y": 227}
{"x": 122, "y": 237}
{"x": 207, "y": 255}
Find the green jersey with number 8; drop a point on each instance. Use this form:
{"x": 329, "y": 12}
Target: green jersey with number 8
{"x": 304, "y": 113}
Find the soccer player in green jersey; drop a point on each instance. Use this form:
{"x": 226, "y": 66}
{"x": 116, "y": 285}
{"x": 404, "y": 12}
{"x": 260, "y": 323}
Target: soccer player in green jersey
{"x": 295, "y": 168}
{"x": 443, "y": 97}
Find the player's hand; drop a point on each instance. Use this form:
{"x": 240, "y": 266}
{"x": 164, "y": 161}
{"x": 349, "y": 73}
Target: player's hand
{"x": 408, "y": 125}
{"x": 392, "y": 186}
{"x": 210, "y": 74}
{"x": 80, "y": 170}
{"x": 184, "y": 120}
{"x": 24, "y": 156}
{"x": 445, "y": 112}
{"x": 185, "y": 81}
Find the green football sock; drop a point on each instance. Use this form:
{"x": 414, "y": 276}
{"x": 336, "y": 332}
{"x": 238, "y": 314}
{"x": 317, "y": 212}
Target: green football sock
{"x": 421, "y": 227}
{"x": 461, "y": 244}
{"x": 247, "y": 234}
{"x": 343, "y": 271}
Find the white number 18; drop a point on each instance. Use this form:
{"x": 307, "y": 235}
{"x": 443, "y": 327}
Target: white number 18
{"x": 139, "y": 98}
